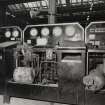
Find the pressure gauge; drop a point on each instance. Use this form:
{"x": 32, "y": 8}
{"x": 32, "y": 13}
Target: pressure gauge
{"x": 7, "y": 34}
{"x": 15, "y": 33}
{"x": 57, "y": 31}
{"x": 45, "y": 31}
{"x": 33, "y": 32}
{"x": 77, "y": 37}
{"x": 70, "y": 31}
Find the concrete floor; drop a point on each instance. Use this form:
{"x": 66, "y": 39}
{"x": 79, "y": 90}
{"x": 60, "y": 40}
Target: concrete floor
{"x": 20, "y": 101}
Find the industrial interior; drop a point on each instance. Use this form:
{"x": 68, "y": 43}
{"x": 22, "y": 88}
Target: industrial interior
{"x": 52, "y": 52}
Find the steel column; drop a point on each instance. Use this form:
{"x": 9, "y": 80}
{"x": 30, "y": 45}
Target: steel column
{"x": 52, "y": 11}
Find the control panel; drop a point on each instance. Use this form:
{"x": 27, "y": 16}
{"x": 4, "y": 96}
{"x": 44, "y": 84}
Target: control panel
{"x": 61, "y": 35}
{"x": 95, "y": 35}
{"x": 10, "y": 33}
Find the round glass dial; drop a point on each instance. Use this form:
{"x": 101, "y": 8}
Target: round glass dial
{"x": 77, "y": 37}
{"x": 45, "y": 31}
{"x": 57, "y": 31}
{"x": 15, "y": 33}
{"x": 70, "y": 31}
{"x": 7, "y": 34}
{"x": 33, "y": 32}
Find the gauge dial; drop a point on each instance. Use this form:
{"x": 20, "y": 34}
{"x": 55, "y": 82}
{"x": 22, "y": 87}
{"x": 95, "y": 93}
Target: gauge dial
{"x": 70, "y": 31}
{"x": 45, "y": 31}
{"x": 57, "y": 31}
{"x": 33, "y": 32}
{"x": 7, "y": 34}
{"x": 15, "y": 33}
{"x": 77, "y": 37}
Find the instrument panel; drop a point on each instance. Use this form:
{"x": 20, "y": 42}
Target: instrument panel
{"x": 62, "y": 35}
{"x": 10, "y": 33}
{"x": 94, "y": 33}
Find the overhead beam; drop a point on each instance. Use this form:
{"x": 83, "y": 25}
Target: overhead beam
{"x": 83, "y": 8}
{"x": 7, "y": 2}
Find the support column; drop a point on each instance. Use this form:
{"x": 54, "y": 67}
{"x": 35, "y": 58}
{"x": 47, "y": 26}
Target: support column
{"x": 51, "y": 17}
{"x": 52, "y": 11}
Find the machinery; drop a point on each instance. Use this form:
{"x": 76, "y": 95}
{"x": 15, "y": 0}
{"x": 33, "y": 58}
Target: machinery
{"x": 9, "y": 38}
{"x": 59, "y": 63}
{"x": 71, "y": 62}
{"x": 53, "y": 53}
{"x": 95, "y": 73}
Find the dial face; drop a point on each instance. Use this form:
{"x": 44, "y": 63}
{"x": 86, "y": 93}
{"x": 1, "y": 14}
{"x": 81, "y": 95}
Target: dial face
{"x": 33, "y": 32}
{"x": 15, "y": 33}
{"x": 77, "y": 37}
{"x": 70, "y": 31}
{"x": 45, "y": 31}
{"x": 7, "y": 34}
{"x": 57, "y": 31}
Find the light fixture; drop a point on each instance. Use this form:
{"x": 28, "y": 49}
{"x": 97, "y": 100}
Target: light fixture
{"x": 70, "y": 31}
{"x": 57, "y": 31}
{"x": 45, "y": 31}
{"x": 33, "y": 32}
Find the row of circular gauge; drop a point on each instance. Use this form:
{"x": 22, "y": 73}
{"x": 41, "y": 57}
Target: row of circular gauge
{"x": 57, "y": 31}
{"x": 15, "y": 33}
